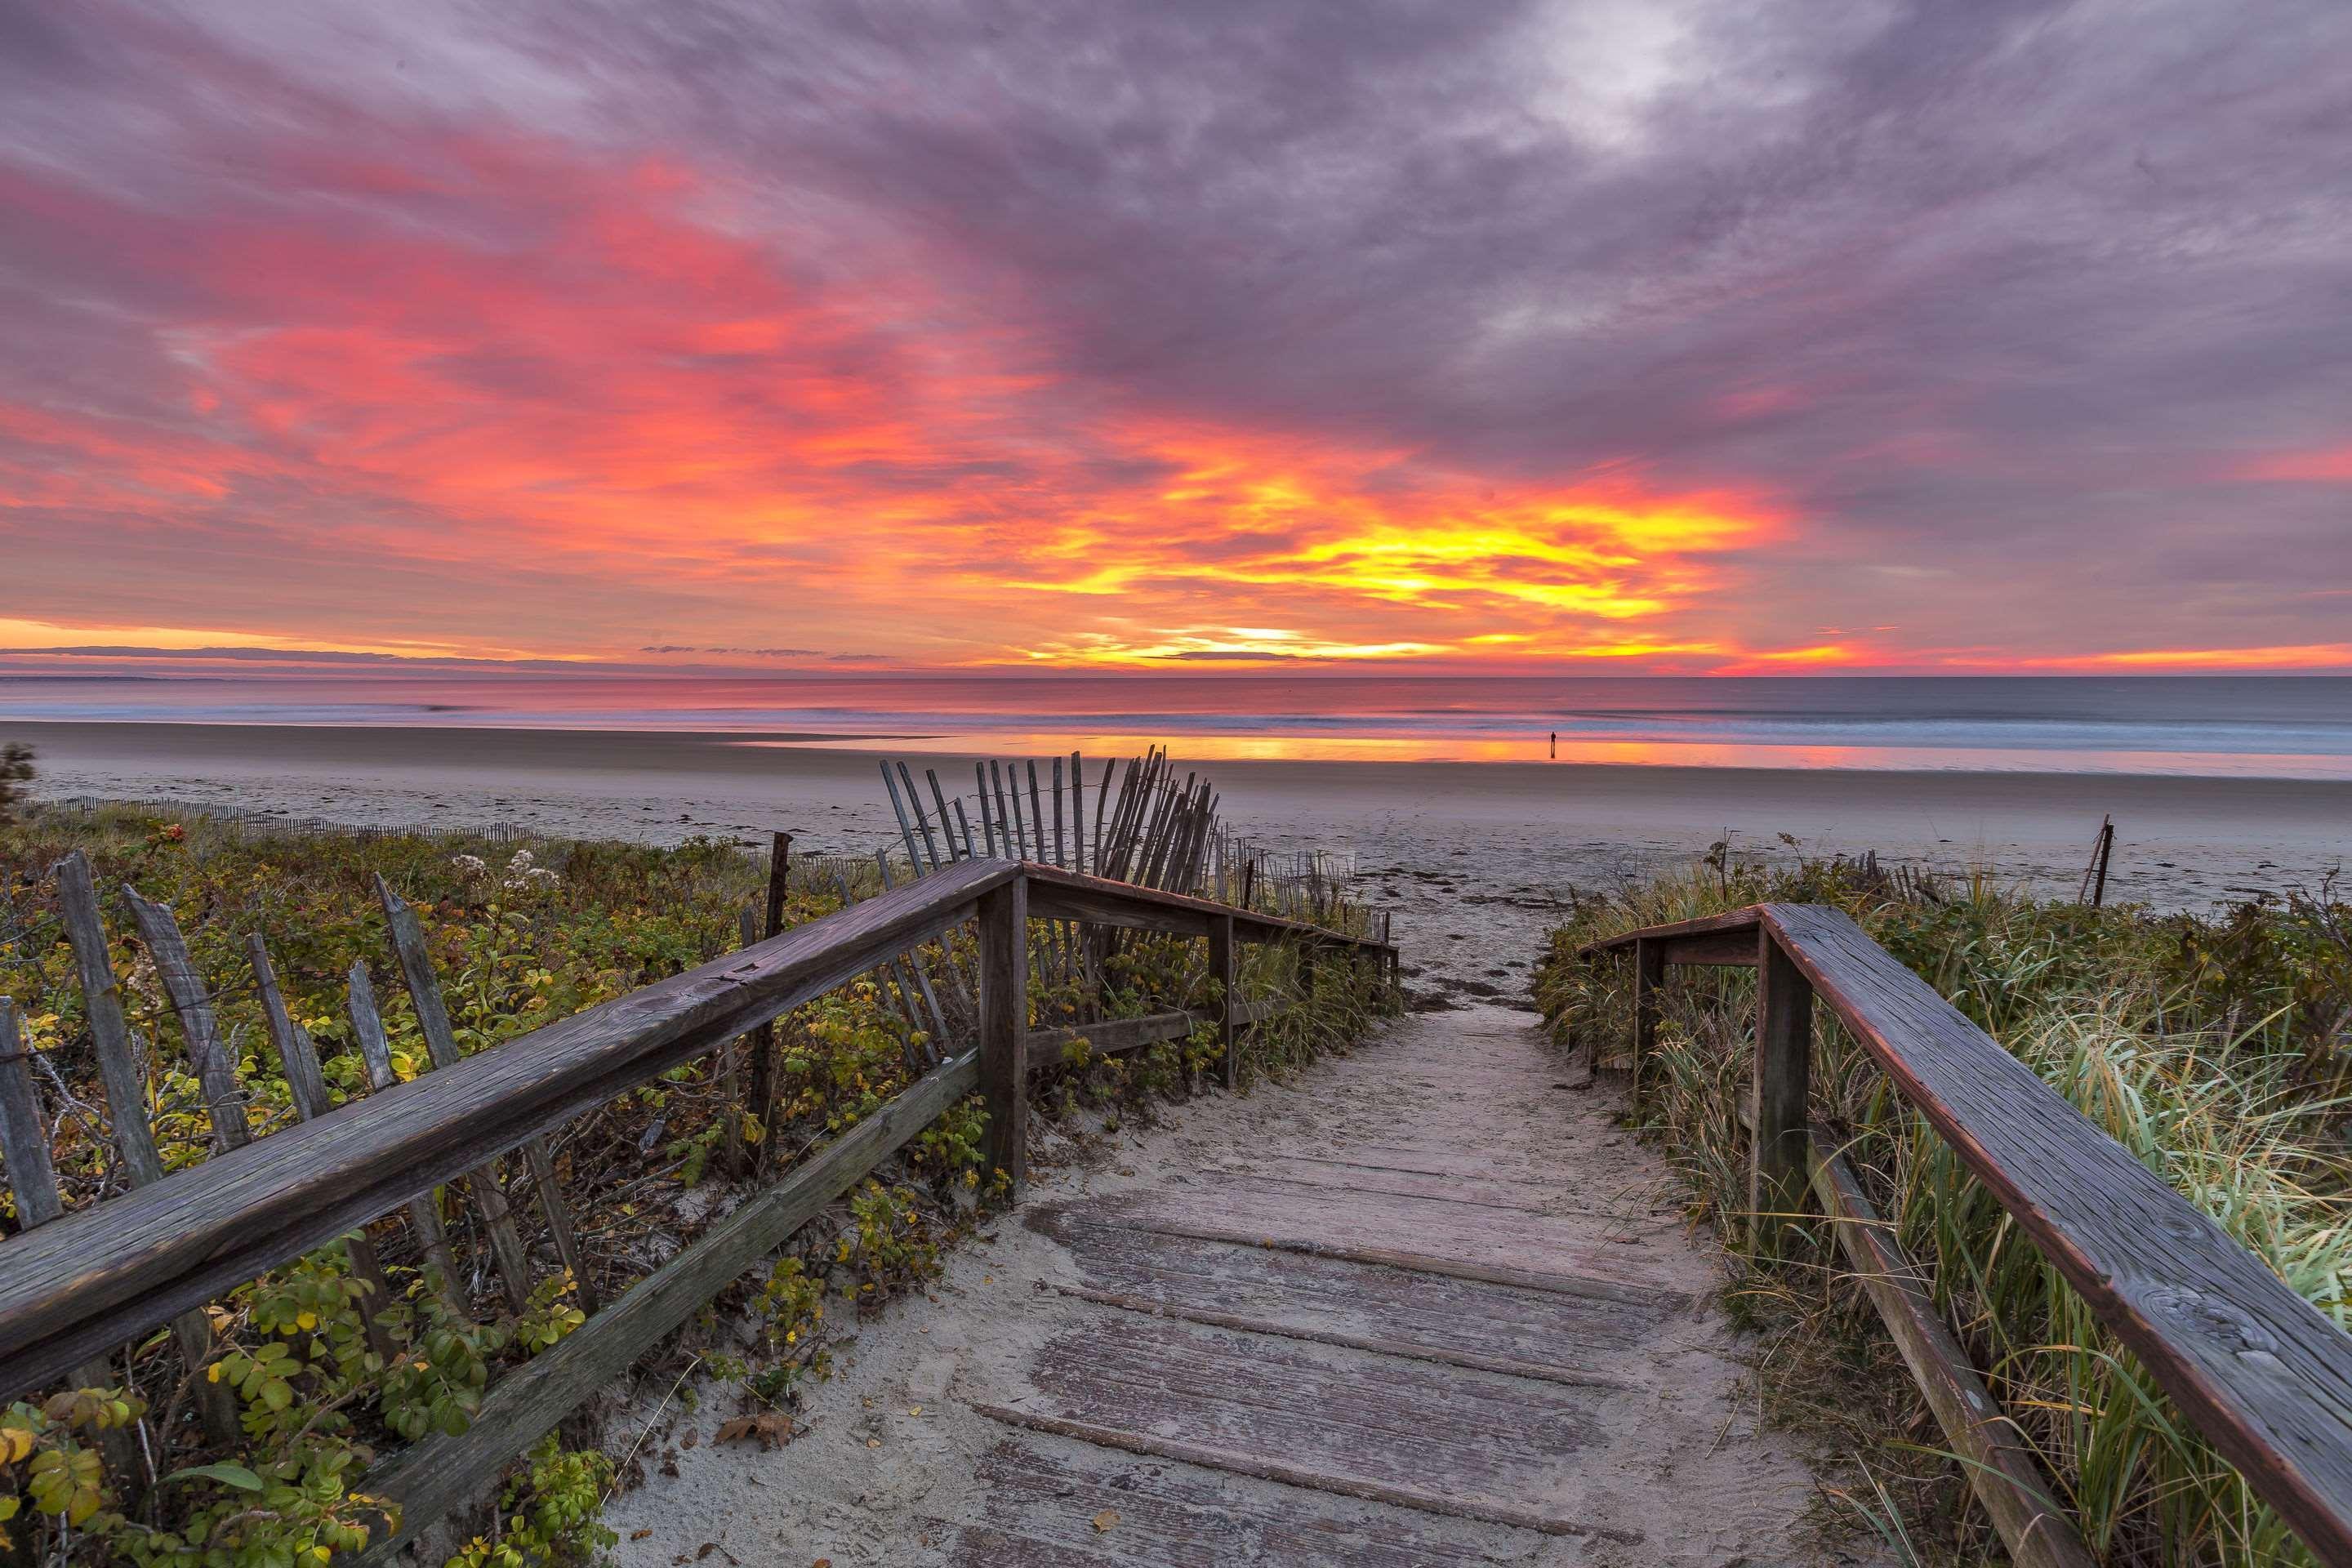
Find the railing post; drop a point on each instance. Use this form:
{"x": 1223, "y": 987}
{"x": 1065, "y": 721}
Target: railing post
{"x": 1649, "y": 978}
{"x": 1777, "y": 1176}
{"x": 1220, "y": 970}
{"x": 763, "y": 1039}
{"x": 1005, "y": 1027}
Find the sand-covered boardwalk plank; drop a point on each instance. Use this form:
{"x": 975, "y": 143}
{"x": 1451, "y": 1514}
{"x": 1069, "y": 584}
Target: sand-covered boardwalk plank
{"x": 1424, "y": 1305}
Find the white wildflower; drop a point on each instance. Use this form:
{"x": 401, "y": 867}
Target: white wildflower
{"x": 468, "y": 865}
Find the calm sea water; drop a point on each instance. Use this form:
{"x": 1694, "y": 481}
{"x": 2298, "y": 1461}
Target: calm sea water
{"x": 2243, "y": 726}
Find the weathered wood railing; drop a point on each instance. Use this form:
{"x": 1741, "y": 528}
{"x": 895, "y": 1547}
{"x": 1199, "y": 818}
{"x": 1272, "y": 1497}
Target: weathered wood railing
{"x": 83, "y": 1284}
{"x": 2255, "y": 1367}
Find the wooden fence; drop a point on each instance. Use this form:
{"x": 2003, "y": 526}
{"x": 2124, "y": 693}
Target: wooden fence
{"x": 2255, "y": 1367}
{"x": 76, "y": 1287}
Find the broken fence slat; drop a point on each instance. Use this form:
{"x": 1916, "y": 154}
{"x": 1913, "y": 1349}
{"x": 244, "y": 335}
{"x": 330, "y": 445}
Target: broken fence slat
{"x": 306, "y": 1084}
{"x": 193, "y": 1004}
{"x": 424, "y": 1213}
{"x": 118, "y": 1065}
{"x": 441, "y": 1044}
{"x": 126, "y": 1111}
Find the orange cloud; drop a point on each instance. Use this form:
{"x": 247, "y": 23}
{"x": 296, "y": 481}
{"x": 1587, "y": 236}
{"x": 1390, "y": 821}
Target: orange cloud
{"x": 648, "y": 405}
{"x": 2300, "y": 656}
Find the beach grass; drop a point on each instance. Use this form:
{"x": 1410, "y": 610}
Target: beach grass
{"x": 2214, "y": 1048}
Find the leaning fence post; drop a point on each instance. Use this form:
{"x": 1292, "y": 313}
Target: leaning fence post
{"x": 126, "y": 1113}
{"x": 1005, "y": 1027}
{"x": 1777, "y": 1178}
{"x": 1221, "y": 971}
{"x": 1649, "y": 978}
{"x": 763, "y": 1038}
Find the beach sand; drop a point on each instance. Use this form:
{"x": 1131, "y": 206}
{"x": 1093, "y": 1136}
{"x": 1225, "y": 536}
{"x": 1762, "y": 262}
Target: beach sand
{"x": 1475, "y": 858}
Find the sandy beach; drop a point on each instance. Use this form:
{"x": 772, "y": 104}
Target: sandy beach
{"x": 1474, "y": 857}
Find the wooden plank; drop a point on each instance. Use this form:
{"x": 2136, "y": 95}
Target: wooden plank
{"x": 1649, "y": 979}
{"x": 1071, "y": 895}
{"x": 923, "y": 823}
{"x": 2006, "y": 1477}
{"x": 192, "y": 1001}
{"x": 1731, "y": 949}
{"x": 428, "y": 1478}
{"x": 1112, "y": 907}
{"x": 1037, "y": 816}
{"x": 762, "y": 1103}
{"x": 1005, "y": 1028}
{"x": 118, "y": 1066}
{"x": 1227, "y": 980}
{"x": 1102, "y": 796}
{"x": 906, "y": 828}
{"x": 1543, "y": 1252}
{"x": 424, "y": 1212}
{"x": 24, "y": 1134}
{"x": 1021, "y": 836}
{"x": 1038, "y": 1511}
{"x": 133, "y": 1138}
{"x": 1078, "y": 813}
{"x": 1729, "y": 920}
{"x": 1494, "y": 1327}
{"x": 485, "y": 1182}
{"x": 304, "y": 1079}
{"x": 731, "y": 1149}
{"x": 99, "y": 1278}
{"x": 1778, "y": 1086}
{"x": 947, "y": 830}
{"x": 1111, "y": 1037}
{"x": 1330, "y": 1420}
{"x": 307, "y": 1085}
{"x": 32, "y": 1179}
{"x": 922, "y": 970}
{"x": 1008, "y": 836}
{"x": 549, "y": 1193}
{"x": 2259, "y": 1371}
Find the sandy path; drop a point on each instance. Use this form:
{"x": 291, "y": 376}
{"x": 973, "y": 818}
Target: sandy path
{"x": 1439, "y": 1296}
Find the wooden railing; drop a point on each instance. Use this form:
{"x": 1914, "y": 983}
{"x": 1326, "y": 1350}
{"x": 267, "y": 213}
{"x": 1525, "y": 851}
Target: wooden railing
{"x": 88, "y": 1281}
{"x": 2255, "y": 1367}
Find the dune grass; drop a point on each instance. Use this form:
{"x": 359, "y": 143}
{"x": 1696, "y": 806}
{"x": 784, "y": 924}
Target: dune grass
{"x": 2213, "y": 1048}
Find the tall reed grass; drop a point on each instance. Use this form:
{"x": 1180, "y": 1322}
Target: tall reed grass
{"x": 2213, "y": 1048}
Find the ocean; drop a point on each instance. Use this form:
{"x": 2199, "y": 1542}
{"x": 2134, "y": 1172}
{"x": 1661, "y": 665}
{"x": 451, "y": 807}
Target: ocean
{"x": 2227, "y": 726}
{"x": 2235, "y": 725}
{"x": 2232, "y": 725}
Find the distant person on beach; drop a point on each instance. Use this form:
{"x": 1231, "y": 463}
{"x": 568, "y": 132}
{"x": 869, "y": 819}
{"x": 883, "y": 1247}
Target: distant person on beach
{"x": 1555, "y": 745}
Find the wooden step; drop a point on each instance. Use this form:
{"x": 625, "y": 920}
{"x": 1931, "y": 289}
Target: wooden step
{"x": 1551, "y": 1335}
{"x": 1443, "y": 1440}
{"x": 1049, "y": 1505}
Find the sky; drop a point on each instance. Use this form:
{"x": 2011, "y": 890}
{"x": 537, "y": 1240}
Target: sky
{"x": 1723, "y": 336}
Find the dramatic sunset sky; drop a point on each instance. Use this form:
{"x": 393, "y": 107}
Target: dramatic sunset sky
{"x": 1746, "y": 335}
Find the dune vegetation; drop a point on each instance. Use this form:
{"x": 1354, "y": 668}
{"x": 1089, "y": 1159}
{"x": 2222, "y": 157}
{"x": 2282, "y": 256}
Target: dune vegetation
{"x": 521, "y": 933}
{"x": 2214, "y": 1048}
